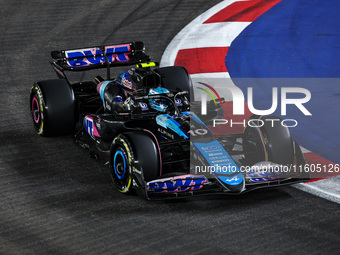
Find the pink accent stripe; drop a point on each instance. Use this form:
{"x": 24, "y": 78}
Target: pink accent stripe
{"x": 159, "y": 151}
{"x": 35, "y": 101}
{"x": 94, "y": 131}
{"x": 203, "y": 60}
{"x": 179, "y": 177}
{"x": 243, "y": 11}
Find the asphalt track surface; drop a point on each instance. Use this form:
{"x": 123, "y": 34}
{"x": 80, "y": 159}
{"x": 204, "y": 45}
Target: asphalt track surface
{"x": 56, "y": 200}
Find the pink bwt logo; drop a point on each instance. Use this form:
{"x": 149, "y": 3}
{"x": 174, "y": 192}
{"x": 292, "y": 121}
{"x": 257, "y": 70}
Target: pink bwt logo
{"x": 91, "y": 56}
{"x": 177, "y": 184}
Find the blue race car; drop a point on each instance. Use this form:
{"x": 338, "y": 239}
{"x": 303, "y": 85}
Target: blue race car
{"x": 143, "y": 124}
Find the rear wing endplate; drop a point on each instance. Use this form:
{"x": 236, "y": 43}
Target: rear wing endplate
{"x": 105, "y": 56}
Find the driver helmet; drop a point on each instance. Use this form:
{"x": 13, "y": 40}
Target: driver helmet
{"x": 126, "y": 81}
{"x": 159, "y": 104}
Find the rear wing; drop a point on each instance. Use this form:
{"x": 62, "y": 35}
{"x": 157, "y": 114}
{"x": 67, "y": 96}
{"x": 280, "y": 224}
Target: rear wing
{"x": 105, "y": 56}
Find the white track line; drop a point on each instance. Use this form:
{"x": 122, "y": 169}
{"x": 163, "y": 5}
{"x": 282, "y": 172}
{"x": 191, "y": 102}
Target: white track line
{"x": 220, "y": 35}
{"x": 222, "y": 75}
{"x": 328, "y": 188}
{"x": 180, "y": 40}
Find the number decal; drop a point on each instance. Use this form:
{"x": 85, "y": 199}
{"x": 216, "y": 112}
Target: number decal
{"x": 200, "y": 131}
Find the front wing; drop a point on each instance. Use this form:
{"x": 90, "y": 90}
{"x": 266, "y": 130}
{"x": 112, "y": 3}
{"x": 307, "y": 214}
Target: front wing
{"x": 194, "y": 185}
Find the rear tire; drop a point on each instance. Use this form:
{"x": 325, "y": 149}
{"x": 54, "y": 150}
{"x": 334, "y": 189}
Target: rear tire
{"x": 52, "y": 107}
{"x": 176, "y": 78}
{"x": 268, "y": 143}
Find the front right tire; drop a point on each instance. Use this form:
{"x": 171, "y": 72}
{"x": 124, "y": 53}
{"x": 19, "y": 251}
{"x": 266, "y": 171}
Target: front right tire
{"x": 270, "y": 142}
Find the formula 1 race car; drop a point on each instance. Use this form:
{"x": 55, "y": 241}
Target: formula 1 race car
{"x": 145, "y": 125}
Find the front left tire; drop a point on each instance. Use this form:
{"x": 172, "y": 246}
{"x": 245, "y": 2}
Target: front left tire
{"x": 121, "y": 159}
{"x": 134, "y": 153}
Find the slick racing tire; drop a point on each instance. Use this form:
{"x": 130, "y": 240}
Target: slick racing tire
{"x": 137, "y": 153}
{"x": 121, "y": 159}
{"x": 176, "y": 78}
{"x": 270, "y": 142}
{"x": 52, "y": 107}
